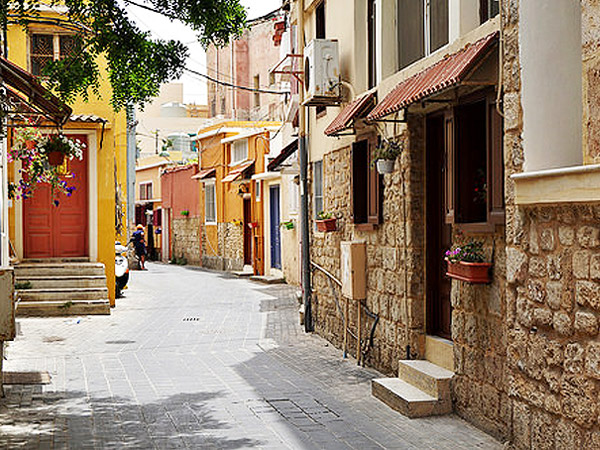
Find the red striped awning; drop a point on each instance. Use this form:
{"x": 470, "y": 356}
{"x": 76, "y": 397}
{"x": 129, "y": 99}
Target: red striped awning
{"x": 354, "y": 110}
{"x": 446, "y": 73}
{"x": 238, "y": 172}
{"x": 204, "y": 174}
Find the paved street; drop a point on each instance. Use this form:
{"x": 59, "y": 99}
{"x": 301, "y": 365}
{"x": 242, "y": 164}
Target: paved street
{"x": 195, "y": 359}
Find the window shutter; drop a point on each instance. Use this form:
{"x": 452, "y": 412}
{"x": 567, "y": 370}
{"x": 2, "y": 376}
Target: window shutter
{"x": 411, "y": 45}
{"x": 448, "y": 168}
{"x": 360, "y": 182}
{"x": 157, "y": 218}
{"x": 496, "y": 165}
{"x": 374, "y": 199}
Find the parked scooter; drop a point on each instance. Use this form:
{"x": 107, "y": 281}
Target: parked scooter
{"x": 121, "y": 268}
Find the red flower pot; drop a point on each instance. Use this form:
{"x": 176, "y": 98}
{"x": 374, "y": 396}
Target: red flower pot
{"x": 471, "y": 272}
{"x": 326, "y": 225}
{"x": 30, "y": 145}
{"x": 56, "y": 158}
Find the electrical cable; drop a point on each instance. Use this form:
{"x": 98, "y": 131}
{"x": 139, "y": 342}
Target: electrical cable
{"x": 235, "y": 86}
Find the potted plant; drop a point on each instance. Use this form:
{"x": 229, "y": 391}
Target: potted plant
{"x": 385, "y": 154}
{"x": 326, "y": 222}
{"x": 467, "y": 263}
{"x": 57, "y": 146}
{"x": 289, "y": 225}
{"x": 185, "y": 213}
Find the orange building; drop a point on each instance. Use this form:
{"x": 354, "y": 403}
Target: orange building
{"x": 231, "y": 209}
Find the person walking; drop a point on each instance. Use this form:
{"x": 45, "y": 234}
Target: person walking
{"x": 139, "y": 243}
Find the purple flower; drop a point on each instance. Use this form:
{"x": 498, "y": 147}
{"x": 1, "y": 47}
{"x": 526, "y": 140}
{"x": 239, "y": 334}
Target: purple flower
{"x": 56, "y": 202}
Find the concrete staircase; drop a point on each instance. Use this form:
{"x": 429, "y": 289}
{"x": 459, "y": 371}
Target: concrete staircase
{"x": 61, "y": 288}
{"x": 422, "y": 389}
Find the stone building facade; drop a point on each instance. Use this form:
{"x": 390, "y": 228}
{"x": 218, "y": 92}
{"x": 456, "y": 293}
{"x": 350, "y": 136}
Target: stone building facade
{"x": 186, "y": 243}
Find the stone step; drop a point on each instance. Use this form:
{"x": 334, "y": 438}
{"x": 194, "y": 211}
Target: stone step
{"x": 65, "y": 282}
{"x": 426, "y": 376}
{"x": 59, "y": 308}
{"x": 407, "y": 399}
{"x": 25, "y": 270}
{"x": 268, "y": 279}
{"x": 62, "y": 295}
{"x": 55, "y": 260}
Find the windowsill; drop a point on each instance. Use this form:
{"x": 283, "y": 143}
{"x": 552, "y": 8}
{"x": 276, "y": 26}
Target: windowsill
{"x": 210, "y": 224}
{"x": 237, "y": 163}
{"x": 578, "y": 184}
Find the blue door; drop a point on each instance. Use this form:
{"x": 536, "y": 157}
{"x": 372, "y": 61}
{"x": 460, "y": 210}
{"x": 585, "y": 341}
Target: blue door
{"x": 275, "y": 230}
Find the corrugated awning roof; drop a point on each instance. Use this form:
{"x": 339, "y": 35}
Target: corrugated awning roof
{"x": 285, "y": 153}
{"x": 354, "y": 110}
{"x": 206, "y": 173}
{"x": 87, "y": 118}
{"x": 37, "y": 96}
{"x": 238, "y": 172}
{"x": 446, "y": 73}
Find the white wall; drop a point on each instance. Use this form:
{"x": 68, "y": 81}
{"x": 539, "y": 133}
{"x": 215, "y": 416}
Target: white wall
{"x": 550, "y": 48}
{"x": 463, "y": 16}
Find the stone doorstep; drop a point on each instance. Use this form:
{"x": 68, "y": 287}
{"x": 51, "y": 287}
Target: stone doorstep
{"x": 38, "y": 270}
{"x": 407, "y": 399}
{"x": 426, "y": 376}
{"x": 68, "y": 281}
{"x": 267, "y": 280}
{"x": 56, "y": 308}
{"x": 63, "y": 294}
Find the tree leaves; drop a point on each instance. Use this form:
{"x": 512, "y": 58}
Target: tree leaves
{"x": 136, "y": 64}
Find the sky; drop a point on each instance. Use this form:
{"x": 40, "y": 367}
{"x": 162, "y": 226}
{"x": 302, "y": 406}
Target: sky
{"x": 194, "y": 87}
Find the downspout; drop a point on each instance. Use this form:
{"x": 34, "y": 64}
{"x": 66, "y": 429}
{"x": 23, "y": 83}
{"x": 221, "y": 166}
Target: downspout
{"x": 303, "y": 161}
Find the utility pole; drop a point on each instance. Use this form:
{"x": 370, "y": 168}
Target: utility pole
{"x": 303, "y": 160}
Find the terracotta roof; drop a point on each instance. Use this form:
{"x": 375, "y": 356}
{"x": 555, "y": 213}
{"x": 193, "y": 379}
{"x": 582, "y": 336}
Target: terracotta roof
{"x": 178, "y": 168}
{"x": 238, "y": 172}
{"x": 446, "y": 73}
{"x": 285, "y": 153}
{"x": 205, "y": 173}
{"x": 87, "y": 118}
{"x": 37, "y": 96}
{"x": 354, "y": 110}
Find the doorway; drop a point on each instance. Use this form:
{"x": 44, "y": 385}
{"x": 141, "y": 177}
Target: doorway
{"x": 61, "y": 231}
{"x": 247, "y": 232}
{"x": 275, "y": 219}
{"x": 439, "y": 135}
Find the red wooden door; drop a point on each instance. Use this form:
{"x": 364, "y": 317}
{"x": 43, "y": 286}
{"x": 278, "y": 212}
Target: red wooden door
{"x": 59, "y": 231}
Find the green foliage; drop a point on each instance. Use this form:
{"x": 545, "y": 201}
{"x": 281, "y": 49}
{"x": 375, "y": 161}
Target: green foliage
{"x": 22, "y": 285}
{"x": 471, "y": 251}
{"x": 137, "y": 64}
{"x": 322, "y": 215}
{"x": 387, "y": 149}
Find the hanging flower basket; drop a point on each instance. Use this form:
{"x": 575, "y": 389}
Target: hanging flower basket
{"x": 385, "y": 166}
{"x": 56, "y": 158}
{"x": 30, "y": 145}
{"x": 325, "y": 225}
{"x": 471, "y": 272}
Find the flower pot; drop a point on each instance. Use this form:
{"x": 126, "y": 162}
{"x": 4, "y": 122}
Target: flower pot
{"x": 30, "y": 145}
{"x": 326, "y": 225}
{"x": 471, "y": 272}
{"x": 56, "y": 158}
{"x": 385, "y": 166}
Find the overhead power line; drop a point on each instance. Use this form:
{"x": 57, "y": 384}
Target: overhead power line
{"x": 235, "y": 86}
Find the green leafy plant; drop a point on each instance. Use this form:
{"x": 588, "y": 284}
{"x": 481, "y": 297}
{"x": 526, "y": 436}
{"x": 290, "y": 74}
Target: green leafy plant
{"x": 289, "y": 225}
{"x": 22, "y": 285}
{"x": 471, "y": 251}
{"x": 71, "y": 148}
{"x": 387, "y": 149}
{"x": 185, "y": 213}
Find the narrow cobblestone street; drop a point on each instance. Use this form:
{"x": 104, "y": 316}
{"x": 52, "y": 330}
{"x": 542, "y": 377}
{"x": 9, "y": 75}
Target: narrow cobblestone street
{"x": 196, "y": 359}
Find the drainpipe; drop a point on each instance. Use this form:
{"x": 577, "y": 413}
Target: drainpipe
{"x": 131, "y": 157}
{"x": 303, "y": 160}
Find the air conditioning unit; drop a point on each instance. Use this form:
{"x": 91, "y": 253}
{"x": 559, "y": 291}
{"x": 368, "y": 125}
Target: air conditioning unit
{"x": 321, "y": 73}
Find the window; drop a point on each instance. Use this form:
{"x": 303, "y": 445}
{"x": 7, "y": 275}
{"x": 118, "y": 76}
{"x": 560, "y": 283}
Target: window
{"x": 365, "y": 185}
{"x": 210, "y": 203}
{"x": 488, "y": 9}
{"x": 320, "y": 34}
{"x": 318, "y": 186}
{"x": 257, "y": 94}
{"x": 422, "y": 29}
{"x": 372, "y": 42}
{"x": 146, "y": 191}
{"x": 475, "y": 169}
{"x": 49, "y": 47}
{"x": 239, "y": 151}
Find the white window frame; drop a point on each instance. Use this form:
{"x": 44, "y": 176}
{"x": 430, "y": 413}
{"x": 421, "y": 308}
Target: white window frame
{"x": 234, "y": 156}
{"x": 208, "y": 220}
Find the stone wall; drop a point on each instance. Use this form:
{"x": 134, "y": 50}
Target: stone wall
{"x": 395, "y": 251}
{"x": 185, "y": 239}
{"x": 230, "y": 249}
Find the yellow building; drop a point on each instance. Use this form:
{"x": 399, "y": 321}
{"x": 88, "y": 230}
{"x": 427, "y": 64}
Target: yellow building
{"x": 230, "y": 200}
{"x": 82, "y": 228}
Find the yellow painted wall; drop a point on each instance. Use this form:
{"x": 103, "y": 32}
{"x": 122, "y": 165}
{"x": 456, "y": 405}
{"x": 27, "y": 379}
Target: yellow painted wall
{"x": 112, "y": 152}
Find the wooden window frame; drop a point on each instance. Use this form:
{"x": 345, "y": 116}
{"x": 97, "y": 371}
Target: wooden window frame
{"x": 322, "y": 186}
{"x": 495, "y": 209}
{"x": 371, "y": 217}
{"x": 56, "y": 45}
